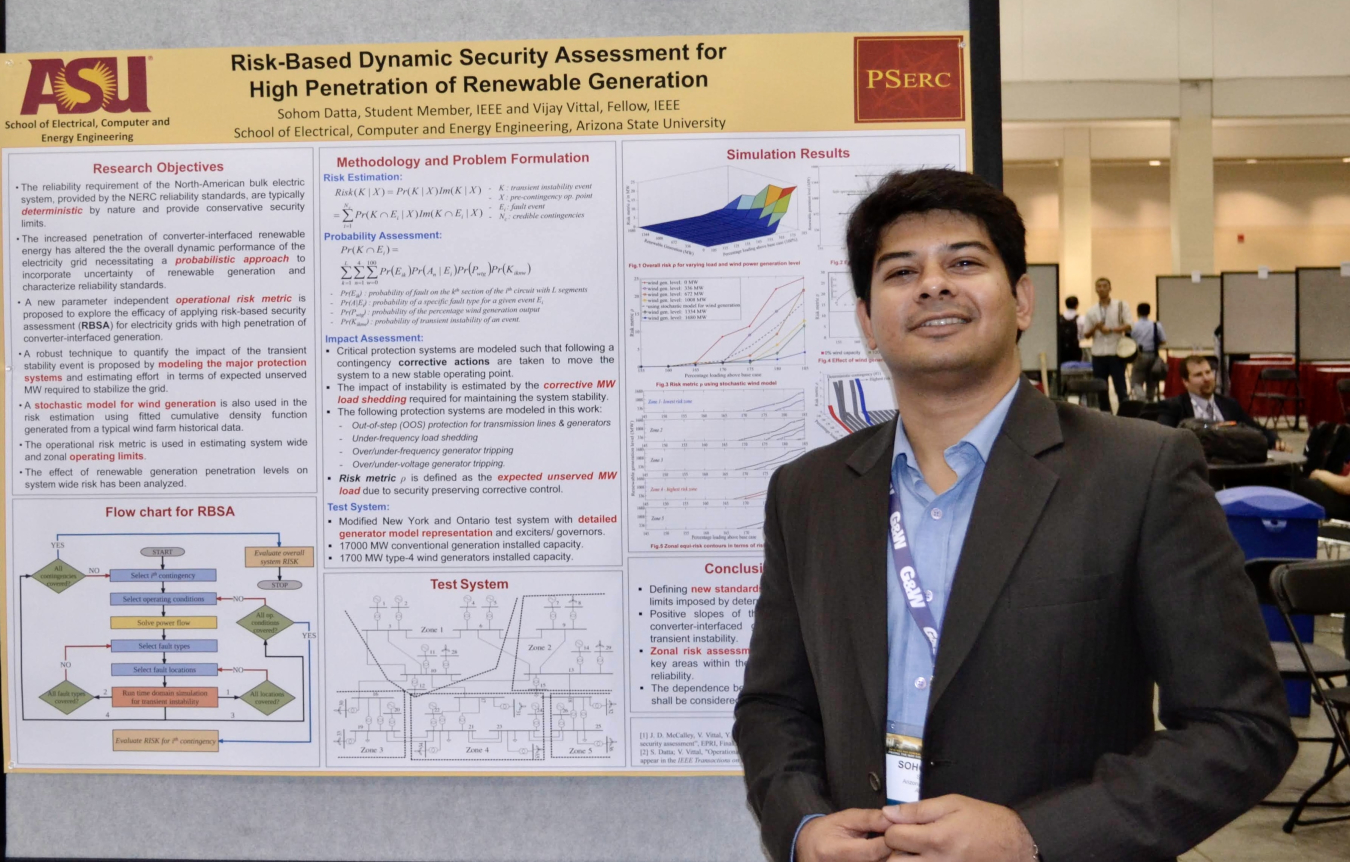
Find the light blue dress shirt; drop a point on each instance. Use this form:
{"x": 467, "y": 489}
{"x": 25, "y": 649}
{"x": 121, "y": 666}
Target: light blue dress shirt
{"x": 1143, "y": 332}
{"x": 936, "y": 528}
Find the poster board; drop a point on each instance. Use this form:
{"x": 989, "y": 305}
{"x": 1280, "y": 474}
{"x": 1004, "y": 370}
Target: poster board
{"x": 1041, "y": 336}
{"x": 667, "y": 796}
{"x": 1323, "y": 314}
{"x": 1190, "y": 312}
{"x": 1259, "y": 314}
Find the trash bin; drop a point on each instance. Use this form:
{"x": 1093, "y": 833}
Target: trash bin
{"x": 1272, "y": 522}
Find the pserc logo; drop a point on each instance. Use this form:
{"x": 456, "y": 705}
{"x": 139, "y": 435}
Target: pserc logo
{"x": 86, "y": 85}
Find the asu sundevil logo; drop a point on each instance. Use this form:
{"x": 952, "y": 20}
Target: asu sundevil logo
{"x": 86, "y": 85}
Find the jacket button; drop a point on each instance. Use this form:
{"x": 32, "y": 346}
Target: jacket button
{"x": 874, "y": 781}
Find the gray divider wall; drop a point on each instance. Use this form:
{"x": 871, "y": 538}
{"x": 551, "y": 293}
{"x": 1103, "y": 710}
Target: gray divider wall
{"x": 1189, "y": 312}
{"x": 1040, "y": 338}
{"x": 1259, "y": 314}
{"x": 1323, "y": 314}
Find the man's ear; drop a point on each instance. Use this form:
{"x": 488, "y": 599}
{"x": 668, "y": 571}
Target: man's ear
{"x": 865, "y": 324}
{"x": 1025, "y": 294}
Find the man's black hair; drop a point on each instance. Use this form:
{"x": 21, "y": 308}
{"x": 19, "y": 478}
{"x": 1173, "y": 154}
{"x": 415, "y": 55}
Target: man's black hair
{"x": 1144, "y": 309}
{"x": 1071, "y": 302}
{"x": 908, "y": 192}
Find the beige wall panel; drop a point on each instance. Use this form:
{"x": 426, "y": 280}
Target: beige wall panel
{"x": 1132, "y": 258}
{"x": 1258, "y": 38}
{"x": 1069, "y": 40}
{"x": 1130, "y": 196}
{"x": 1281, "y": 248}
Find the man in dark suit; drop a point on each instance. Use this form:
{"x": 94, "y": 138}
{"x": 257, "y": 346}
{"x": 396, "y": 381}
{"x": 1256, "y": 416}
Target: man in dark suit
{"x": 1201, "y": 400}
{"x": 997, "y": 628}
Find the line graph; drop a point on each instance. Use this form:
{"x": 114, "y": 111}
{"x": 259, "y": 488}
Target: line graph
{"x": 843, "y": 319}
{"x": 702, "y": 459}
{"x": 720, "y": 321}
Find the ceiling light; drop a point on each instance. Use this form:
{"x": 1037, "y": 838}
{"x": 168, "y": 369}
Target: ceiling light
{"x": 1251, "y": 161}
{"x": 1156, "y": 163}
{"x": 1346, "y": 159}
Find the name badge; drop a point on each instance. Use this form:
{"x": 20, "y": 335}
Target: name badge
{"x": 904, "y": 764}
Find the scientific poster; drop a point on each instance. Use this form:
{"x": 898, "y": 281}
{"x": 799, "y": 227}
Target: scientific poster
{"x": 410, "y": 408}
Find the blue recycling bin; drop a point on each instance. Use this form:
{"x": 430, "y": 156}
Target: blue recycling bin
{"x": 1272, "y": 522}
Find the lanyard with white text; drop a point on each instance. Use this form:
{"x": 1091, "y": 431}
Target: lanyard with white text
{"x": 915, "y": 597}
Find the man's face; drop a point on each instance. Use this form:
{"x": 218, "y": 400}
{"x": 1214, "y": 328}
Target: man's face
{"x": 941, "y": 301}
{"x": 1200, "y": 383}
{"x": 1103, "y": 291}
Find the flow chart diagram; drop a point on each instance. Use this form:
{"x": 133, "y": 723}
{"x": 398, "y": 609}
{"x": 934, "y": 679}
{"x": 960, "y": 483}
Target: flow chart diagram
{"x": 176, "y": 646}
{"x": 475, "y": 672}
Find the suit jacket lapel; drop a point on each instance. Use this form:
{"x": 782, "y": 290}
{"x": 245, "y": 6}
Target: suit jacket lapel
{"x": 864, "y": 509}
{"x": 1013, "y": 492}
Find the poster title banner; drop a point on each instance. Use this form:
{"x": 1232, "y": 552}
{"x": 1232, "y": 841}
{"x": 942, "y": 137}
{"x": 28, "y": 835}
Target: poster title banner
{"x": 800, "y": 82}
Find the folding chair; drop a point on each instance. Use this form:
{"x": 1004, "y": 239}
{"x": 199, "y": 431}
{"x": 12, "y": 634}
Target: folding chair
{"x": 1317, "y": 587}
{"x": 1325, "y": 663}
{"x": 1281, "y": 386}
{"x": 1086, "y": 388}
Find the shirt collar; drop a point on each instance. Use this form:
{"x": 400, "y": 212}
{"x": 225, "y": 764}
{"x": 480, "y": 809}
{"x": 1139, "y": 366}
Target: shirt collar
{"x": 980, "y": 438}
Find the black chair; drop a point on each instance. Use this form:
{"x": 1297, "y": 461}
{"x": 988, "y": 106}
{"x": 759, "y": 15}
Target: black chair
{"x": 1343, "y": 392}
{"x": 1317, "y": 587}
{"x": 1280, "y": 385}
{"x": 1130, "y": 409}
{"x": 1325, "y": 663}
{"x": 1090, "y": 388}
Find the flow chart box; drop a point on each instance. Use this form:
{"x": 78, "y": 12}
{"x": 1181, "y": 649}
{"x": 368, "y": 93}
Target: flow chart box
{"x": 166, "y": 740}
{"x": 273, "y": 556}
{"x": 163, "y": 622}
{"x": 175, "y": 697}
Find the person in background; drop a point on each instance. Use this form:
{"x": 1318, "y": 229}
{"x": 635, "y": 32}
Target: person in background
{"x": 1200, "y": 401}
{"x": 1069, "y": 332}
{"x": 1150, "y": 337}
{"x": 1104, "y": 323}
{"x": 1328, "y": 490}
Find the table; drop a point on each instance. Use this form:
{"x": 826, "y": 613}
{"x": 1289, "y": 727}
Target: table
{"x": 1278, "y": 472}
{"x": 1323, "y": 401}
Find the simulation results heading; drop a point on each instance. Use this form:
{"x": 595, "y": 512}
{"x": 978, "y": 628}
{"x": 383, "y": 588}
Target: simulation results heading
{"x": 531, "y": 61}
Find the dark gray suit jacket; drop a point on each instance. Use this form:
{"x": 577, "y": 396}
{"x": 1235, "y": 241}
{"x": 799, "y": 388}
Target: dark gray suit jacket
{"x": 1097, "y": 563}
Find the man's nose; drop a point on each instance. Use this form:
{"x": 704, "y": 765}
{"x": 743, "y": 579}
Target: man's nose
{"x": 935, "y": 283}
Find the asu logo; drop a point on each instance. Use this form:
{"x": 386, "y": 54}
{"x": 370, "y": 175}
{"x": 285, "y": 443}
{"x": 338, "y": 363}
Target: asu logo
{"x": 86, "y": 85}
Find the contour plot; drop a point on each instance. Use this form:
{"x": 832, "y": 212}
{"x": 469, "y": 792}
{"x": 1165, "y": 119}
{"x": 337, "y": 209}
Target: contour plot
{"x": 701, "y": 462}
{"x": 727, "y": 209}
{"x": 468, "y": 674}
{"x": 693, "y": 322}
{"x": 855, "y": 402}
